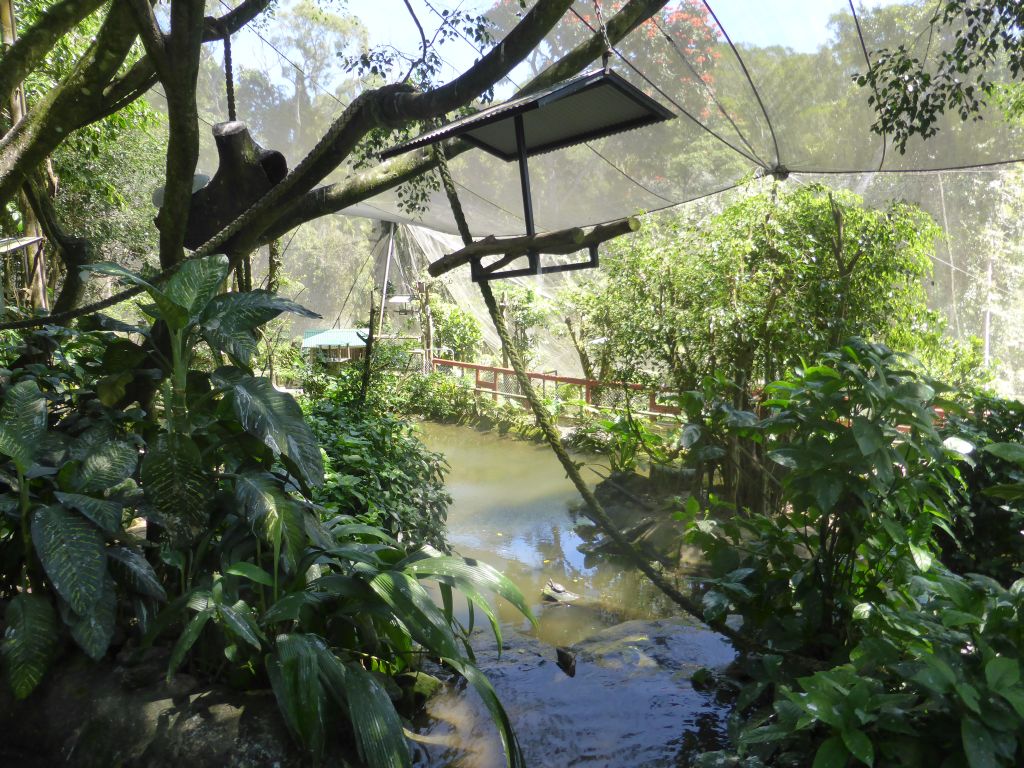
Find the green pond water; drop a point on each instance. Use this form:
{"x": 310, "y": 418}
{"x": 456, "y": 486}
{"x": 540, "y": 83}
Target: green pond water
{"x": 630, "y": 703}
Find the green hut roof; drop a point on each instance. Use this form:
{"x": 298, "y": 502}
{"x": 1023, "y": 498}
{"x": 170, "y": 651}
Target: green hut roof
{"x": 334, "y": 337}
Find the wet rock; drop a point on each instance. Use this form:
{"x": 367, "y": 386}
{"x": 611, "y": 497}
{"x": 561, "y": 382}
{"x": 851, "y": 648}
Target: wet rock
{"x": 419, "y": 685}
{"x": 566, "y": 661}
{"x": 83, "y": 717}
{"x": 556, "y": 593}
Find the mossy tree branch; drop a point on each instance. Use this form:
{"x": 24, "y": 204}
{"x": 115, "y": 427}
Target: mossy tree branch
{"x": 38, "y": 40}
{"x": 392, "y": 173}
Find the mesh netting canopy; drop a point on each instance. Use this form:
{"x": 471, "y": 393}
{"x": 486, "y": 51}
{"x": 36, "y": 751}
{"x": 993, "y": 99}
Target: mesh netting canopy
{"x": 757, "y": 88}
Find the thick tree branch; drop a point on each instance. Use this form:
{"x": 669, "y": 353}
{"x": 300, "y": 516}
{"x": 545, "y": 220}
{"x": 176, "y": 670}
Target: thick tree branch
{"x": 38, "y": 40}
{"x": 361, "y": 186}
{"x": 492, "y": 67}
{"x": 233, "y": 20}
{"x": 390, "y": 174}
{"x": 152, "y": 37}
{"x": 176, "y": 60}
{"x": 629, "y": 17}
{"x": 74, "y": 252}
{"x": 123, "y": 90}
{"x": 64, "y": 108}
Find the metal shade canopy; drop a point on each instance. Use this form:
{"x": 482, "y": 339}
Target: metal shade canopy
{"x": 590, "y": 106}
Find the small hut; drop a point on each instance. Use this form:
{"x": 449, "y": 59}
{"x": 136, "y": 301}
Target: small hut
{"x": 335, "y": 345}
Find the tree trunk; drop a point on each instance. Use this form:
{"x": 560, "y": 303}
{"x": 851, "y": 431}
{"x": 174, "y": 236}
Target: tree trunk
{"x": 274, "y": 265}
{"x": 35, "y": 257}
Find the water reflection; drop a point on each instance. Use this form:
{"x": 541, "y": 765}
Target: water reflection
{"x": 630, "y": 703}
{"x": 510, "y": 508}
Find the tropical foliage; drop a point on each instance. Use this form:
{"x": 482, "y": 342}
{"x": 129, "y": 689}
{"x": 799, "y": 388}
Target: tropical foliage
{"x": 236, "y": 565}
{"x": 875, "y": 651}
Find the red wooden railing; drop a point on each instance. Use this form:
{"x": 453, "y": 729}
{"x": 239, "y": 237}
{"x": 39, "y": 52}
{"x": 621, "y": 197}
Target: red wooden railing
{"x": 588, "y": 387}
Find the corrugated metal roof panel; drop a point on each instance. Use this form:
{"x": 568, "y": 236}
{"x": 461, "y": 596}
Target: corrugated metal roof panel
{"x": 586, "y": 107}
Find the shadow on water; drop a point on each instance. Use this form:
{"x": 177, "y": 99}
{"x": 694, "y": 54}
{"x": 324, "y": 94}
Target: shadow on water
{"x": 630, "y": 703}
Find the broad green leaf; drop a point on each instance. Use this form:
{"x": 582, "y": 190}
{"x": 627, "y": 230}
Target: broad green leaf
{"x": 351, "y": 530}
{"x": 278, "y": 517}
{"x": 175, "y": 484}
{"x": 196, "y": 282}
{"x": 188, "y": 638}
{"x": 954, "y": 618}
{"x": 831, "y": 754}
{"x": 175, "y": 315}
{"x": 1007, "y": 451}
{"x": 106, "y": 514}
{"x": 234, "y": 620}
{"x": 275, "y": 418}
{"x": 868, "y": 435}
{"x": 922, "y": 557}
{"x": 413, "y": 606}
{"x": 1005, "y": 491}
{"x": 859, "y": 744}
{"x": 111, "y": 389}
{"x": 977, "y": 743}
{"x": 466, "y": 571}
{"x": 94, "y": 630}
{"x": 969, "y": 696}
{"x": 29, "y": 643}
{"x": 789, "y": 458}
{"x": 106, "y": 465}
{"x": 483, "y": 687}
{"x": 375, "y": 723}
{"x": 1002, "y": 673}
{"x": 295, "y": 679}
{"x": 229, "y": 322}
{"x": 133, "y": 570}
{"x": 862, "y": 611}
{"x": 1016, "y": 698}
{"x": 22, "y": 423}
{"x": 72, "y": 553}
{"x": 252, "y": 572}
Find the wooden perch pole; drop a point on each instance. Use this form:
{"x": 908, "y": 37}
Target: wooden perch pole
{"x": 556, "y": 243}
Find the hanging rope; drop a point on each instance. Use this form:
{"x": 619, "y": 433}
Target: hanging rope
{"x": 608, "y": 50}
{"x": 229, "y": 78}
{"x": 594, "y": 511}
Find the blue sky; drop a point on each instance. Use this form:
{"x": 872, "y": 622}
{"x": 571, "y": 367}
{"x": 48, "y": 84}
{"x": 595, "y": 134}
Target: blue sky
{"x": 798, "y": 24}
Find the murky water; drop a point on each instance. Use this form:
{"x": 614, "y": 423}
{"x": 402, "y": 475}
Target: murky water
{"x": 630, "y": 704}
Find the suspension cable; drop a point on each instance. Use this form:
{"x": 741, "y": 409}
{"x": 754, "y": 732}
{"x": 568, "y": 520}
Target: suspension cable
{"x": 229, "y": 78}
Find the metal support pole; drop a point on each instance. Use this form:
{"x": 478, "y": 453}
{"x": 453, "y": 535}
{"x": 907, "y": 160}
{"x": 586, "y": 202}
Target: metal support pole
{"x": 387, "y": 275}
{"x": 524, "y": 181}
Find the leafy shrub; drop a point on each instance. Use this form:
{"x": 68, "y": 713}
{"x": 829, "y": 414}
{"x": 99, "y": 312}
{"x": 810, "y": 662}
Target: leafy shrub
{"x": 873, "y": 651}
{"x": 378, "y": 471}
{"x": 989, "y": 531}
{"x": 253, "y": 580}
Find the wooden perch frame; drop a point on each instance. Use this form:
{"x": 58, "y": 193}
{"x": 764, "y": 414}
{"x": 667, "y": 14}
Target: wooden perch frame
{"x": 554, "y": 243}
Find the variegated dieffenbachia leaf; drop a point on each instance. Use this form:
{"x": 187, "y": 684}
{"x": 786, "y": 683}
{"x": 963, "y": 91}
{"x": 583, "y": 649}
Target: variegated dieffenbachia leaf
{"x": 106, "y": 514}
{"x": 30, "y": 641}
{"x": 275, "y": 418}
{"x": 22, "y": 423}
{"x": 196, "y": 282}
{"x": 94, "y": 630}
{"x": 175, "y": 484}
{"x": 132, "y": 570}
{"x": 106, "y": 465}
{"x": 73, "y": 555}
{"x": 278, "y": 517}
{"x": 229, "y": 322}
